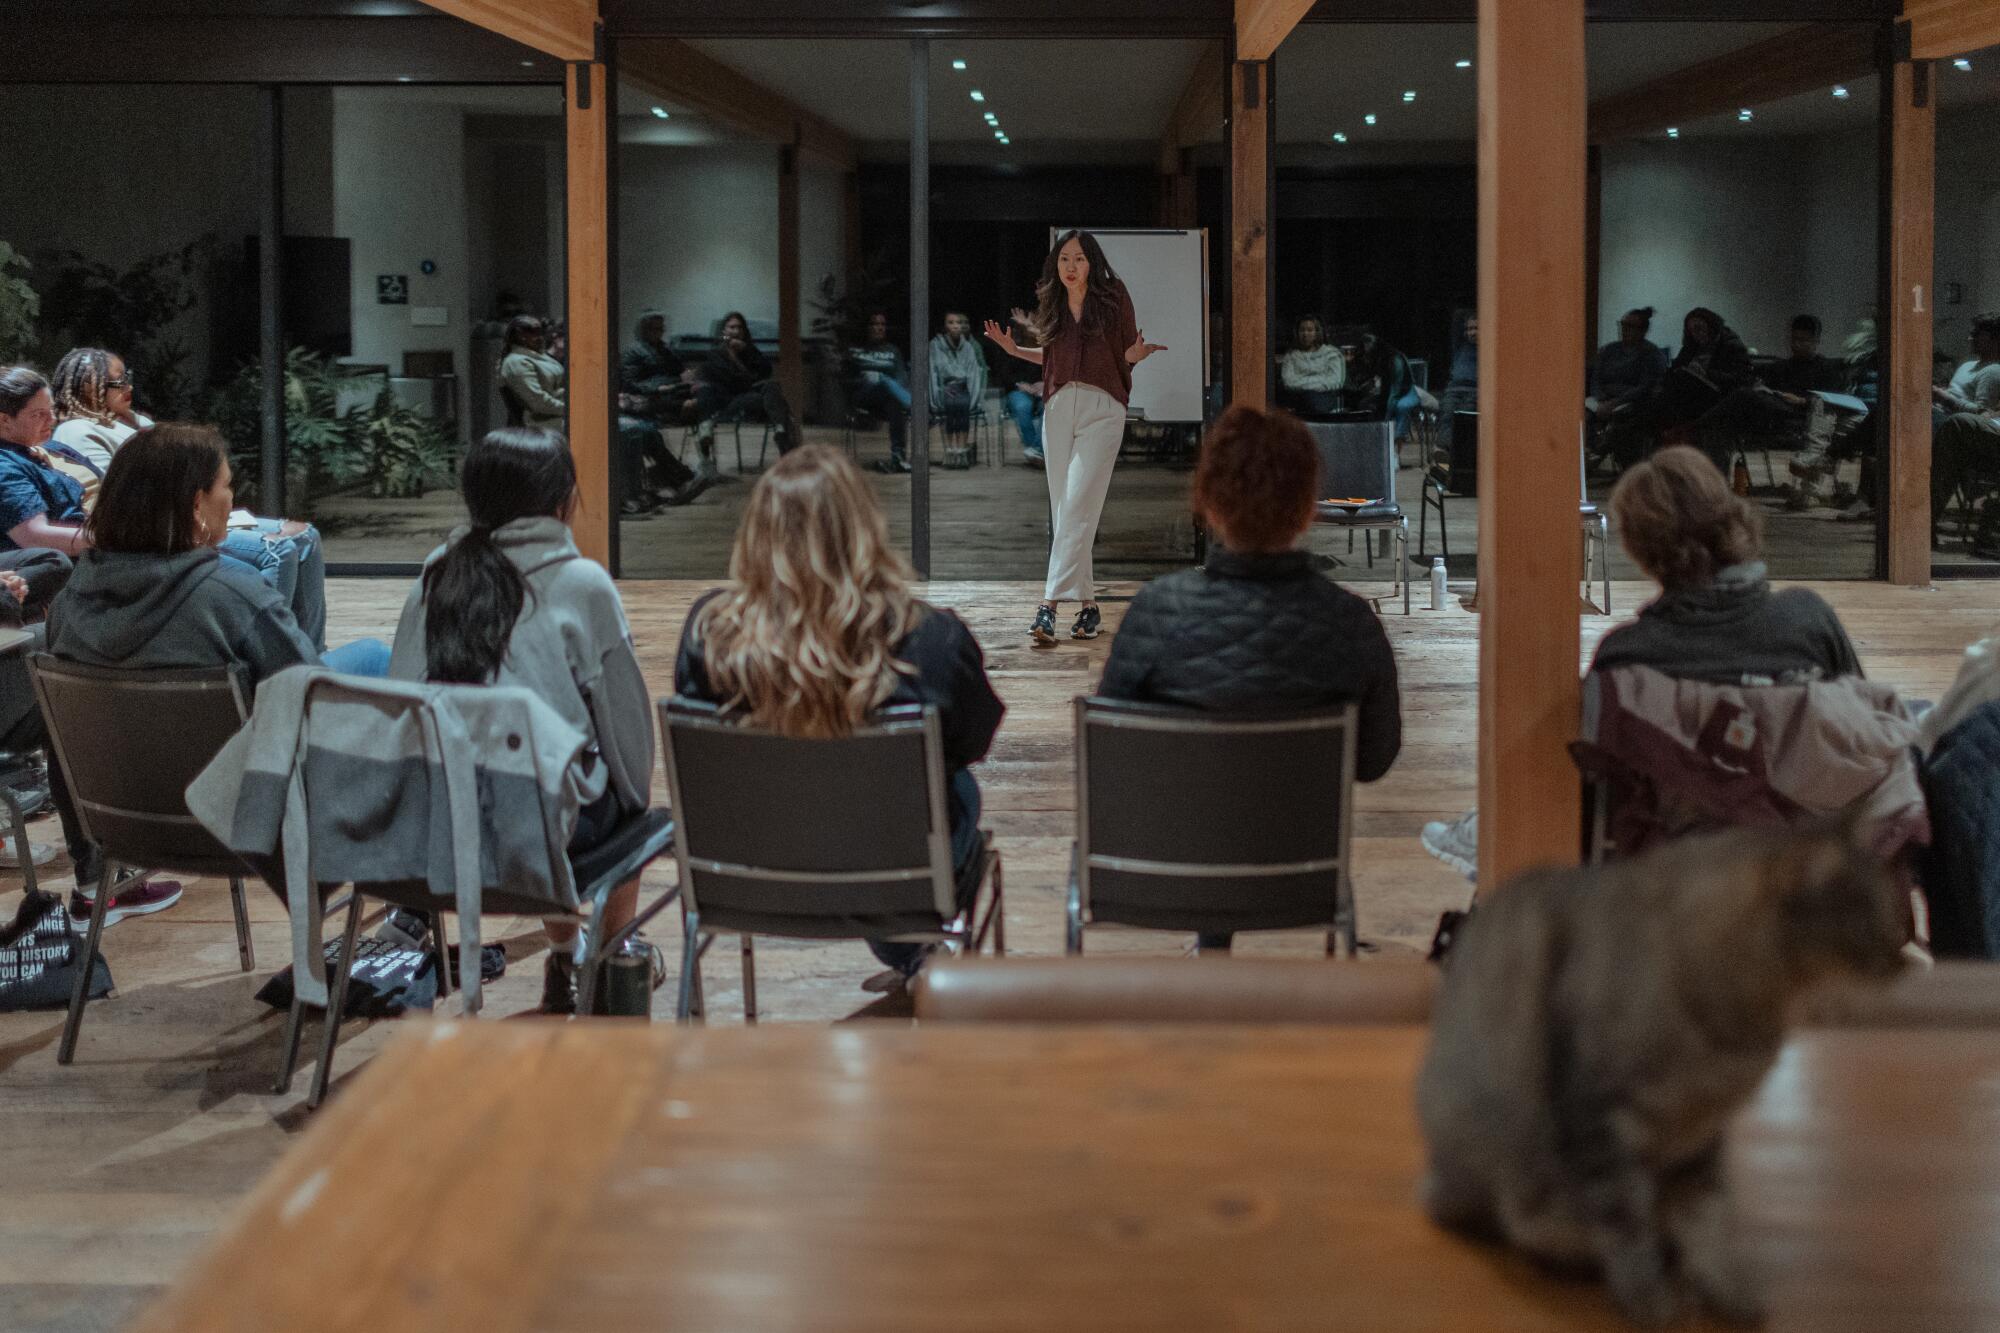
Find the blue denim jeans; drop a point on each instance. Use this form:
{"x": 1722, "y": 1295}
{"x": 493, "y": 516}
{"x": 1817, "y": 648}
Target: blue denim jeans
{"x": 363, "y": 657}
{"x": 961, "y": 797}
{"x": 294, "y": 566}
{"x": 885, "y": 398}
{"x": 1026, "y": 409}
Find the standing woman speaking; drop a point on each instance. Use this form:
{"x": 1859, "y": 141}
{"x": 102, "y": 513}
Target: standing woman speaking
{"x": 1087, "y": 341}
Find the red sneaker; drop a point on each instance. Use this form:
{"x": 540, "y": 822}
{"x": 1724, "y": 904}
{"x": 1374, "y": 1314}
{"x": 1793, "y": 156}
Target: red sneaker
{"x": 141, "y": 899}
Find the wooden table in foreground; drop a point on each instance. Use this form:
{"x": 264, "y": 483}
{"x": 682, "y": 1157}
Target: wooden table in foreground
{"x": 498, "y": 1176}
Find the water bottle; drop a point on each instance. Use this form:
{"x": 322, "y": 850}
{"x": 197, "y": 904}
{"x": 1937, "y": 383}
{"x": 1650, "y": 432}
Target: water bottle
{"x": 627, "y": 980}
{"x": 1437, "y": 583}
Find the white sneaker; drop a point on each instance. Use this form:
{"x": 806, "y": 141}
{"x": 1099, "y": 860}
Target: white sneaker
{"x": 1455, "y": 843}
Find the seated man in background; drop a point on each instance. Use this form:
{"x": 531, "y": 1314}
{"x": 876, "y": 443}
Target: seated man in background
{"x": 734, "y": 378}
{"x": 1257, "y": 628}
{"x": 1966, "y": 445}
{"x": 879, "y": 384}
{"x": 656, "y": 391}
{"x": 1461, "y": 390}
{"x": 1312, "y": 374}
{"x": 1024, "y": 404}
{"x": 1622, "y": 377}
{"x": 958, "y": 380}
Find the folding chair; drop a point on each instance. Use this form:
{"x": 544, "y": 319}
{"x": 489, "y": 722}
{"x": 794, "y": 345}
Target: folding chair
{"x": 1196, "y": 822}
{"x": 1357, "y": 459}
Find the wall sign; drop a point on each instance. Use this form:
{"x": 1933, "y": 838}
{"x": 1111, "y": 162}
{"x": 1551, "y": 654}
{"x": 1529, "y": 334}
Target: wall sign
{"x": 392, "y": 289}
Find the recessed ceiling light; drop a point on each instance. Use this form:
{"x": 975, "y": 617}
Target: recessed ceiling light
{"x": 1368, "y": 119}
{"x": 527, "y": 64}
{"x": 1962, "y": 65}
{"x": 1465, "y": 64}
{"x": 1340, "y": 136}
{"x": 1840, "y": 90}
{"x": 661, "y": 112}
{"x": 1744, "y": 114}
{"x": 978, "y": 96}
{"x": 958, "y": 64}
{"x": 402, "y": 78}
{"x": 1410, "y": 95}
{"x": 1673, "y": 133}
{"x": 992, "y": 119}
{"x": 1005, "y": 140}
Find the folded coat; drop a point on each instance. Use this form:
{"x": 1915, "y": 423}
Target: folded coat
{"x": 339, "y": 779}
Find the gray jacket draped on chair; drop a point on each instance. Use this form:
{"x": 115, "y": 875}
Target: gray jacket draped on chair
{"x": 344, "y": 780}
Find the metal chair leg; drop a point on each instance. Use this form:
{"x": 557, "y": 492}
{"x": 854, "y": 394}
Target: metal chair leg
{"x": 80, "y": 993}
{"x": 246, "y": 948}
{"x": 336, "y": 1002}
{"x": 1403, "y": 546}
{"x": 22, "y": 851}
{"x": 690, "y": 964}
{"x": 1604, "y": 557}
{"x": 1073, "y": 944}
{"x": 749, "y": 979}
{"x": 999, "y": 911}
{"x": 289, "y": 1061}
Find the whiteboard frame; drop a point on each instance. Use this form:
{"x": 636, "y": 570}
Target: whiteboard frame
{"x": 1207, "y": 318}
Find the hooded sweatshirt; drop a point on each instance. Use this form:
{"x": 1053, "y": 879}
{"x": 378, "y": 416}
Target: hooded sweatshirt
{"x": 1734, "y": 630}
{"x": 571, "y": 646}
{"x": 123, "y": 609}
{"x": 963, "y": 362}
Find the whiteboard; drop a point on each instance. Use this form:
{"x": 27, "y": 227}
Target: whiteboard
{"x": 1166, "y": 272}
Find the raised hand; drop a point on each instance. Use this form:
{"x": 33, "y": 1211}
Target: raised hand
{"x": 1002, "y": 338}
{"x": 1021, "y": 317}
{"x": 1141, "y": 349}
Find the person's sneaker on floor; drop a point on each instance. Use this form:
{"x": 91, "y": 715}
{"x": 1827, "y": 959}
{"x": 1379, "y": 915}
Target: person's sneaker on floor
{"x": 691, "y": 488}
{"x": 1456, "y": 843}
{"x": 1033, "y": 458}
{"x": 559, "y": 981}
{"x": 1043, "y": 631}
{"x": 139, "y": 898}
{"x": 1088, "y": 622}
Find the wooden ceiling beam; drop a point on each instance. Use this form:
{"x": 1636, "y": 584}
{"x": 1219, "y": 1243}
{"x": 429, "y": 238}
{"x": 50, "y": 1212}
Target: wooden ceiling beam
{"x": 565, "y": 29}
{"x": 1261, "y": 25}
{"x": 1941, "y": 29}
{"x": 1197, "y": 116}
{"x": 1810, "y": 57}
{"x": 677, "y": 72}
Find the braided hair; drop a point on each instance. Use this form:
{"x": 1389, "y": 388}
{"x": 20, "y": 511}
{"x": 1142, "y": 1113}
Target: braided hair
{"x": 78, "y": 385}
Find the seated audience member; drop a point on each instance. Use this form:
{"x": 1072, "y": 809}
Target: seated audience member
{"x": 817, "y": 630}
{"x": 1781, "y": 403}
{"x": 1257, "y": 628}
{"x": 95, "y": 417}
{"x": 1461, "y": 390}
{"x": 539, "y": 384}
{"x": 735, "y": 378}
{"x": 879, "y": 383}
{"x": 1717, "y": 619}
{"x": 958, "y": 373}
{"x": 1312, "y": 374}
{"x": 1024, "y": 404}
{"x": 1380, "y": 380}
{"x": 1804, "y": 371}
{"x": 27, "y": 415}
{"x": 508, "y": 600}
{"x": 1627, "y": 370}
{"x": 1711, "y": 364}
{"x": 650, "y": 373}
{"x": 152, "y": 591}
{"x": 1966, "y": 442}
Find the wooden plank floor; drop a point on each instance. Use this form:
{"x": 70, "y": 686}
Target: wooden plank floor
{"x": 119, "y": 1166}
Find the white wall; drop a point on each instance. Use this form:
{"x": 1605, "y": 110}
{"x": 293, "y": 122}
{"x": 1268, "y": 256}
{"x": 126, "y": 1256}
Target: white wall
{"x": 1968, "y": 221}
{"x": 698, "y": 232}
{"x": 1759, "y": 231}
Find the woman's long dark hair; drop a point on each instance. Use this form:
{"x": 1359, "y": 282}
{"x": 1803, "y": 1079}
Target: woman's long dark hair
{"x": 145, "y": 504}
{"x": 473, "y": 594}
{"x": 1100, "y": 292}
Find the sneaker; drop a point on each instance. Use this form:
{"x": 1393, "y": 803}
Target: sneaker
{"x": 1043, "y": 631}
{"x": 1456, "y": 843}
{"x": 1087, "y": 623}
{"x": 694, "y": 486}
{"x": 559, "y": 982}
{"x": 1033, "y": 458}
{"x": 142, "y": 898}
{"x": 405, "y": 929}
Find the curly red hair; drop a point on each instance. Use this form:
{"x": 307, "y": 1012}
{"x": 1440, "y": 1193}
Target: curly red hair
{"x": 1256, "y": 479}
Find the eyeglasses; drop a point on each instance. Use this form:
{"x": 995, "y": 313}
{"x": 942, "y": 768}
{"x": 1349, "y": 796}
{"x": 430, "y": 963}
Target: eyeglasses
{"x": 124, "y": 383}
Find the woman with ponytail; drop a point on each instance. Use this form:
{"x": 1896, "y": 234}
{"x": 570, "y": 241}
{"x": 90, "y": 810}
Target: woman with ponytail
{"x": 508, "y": 600}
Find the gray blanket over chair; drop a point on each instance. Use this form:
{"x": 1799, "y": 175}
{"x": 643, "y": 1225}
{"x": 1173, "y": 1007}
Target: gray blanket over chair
{"x": 346, "y": 780}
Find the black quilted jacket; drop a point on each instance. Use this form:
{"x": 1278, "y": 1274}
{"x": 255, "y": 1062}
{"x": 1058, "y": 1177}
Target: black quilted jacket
{"x": 1260, "y": 633}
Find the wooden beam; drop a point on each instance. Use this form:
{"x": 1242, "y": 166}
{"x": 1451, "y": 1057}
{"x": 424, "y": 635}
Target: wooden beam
{"x": 1941, "y": 29}
{"x": 1250, "y": 125}
{"x": 1200, "y": 112}
{"x": 565, "y": 29}
{"x": 677, "y": 72}
{"x": 791, "y": 346}
{"x": 1261, "y": 25}
{"x": 1910, "y": 137}
{"x": 1531, "y": 257}
{"x": 588, "y": 237}
{"x": 1810, "y": 57}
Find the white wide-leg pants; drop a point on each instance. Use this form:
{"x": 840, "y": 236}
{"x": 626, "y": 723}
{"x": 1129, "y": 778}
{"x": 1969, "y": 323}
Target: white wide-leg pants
{"x": 1082, "y": 428}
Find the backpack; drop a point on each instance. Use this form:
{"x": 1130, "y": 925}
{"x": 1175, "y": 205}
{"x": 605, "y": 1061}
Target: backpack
{"x": 39, "y": 957}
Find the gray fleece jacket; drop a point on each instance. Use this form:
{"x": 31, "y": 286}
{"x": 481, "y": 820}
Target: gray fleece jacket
{"x": 571, "y": 647}
{"x": 187, "y": 610}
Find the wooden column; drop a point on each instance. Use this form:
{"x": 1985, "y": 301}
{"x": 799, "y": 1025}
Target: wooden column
{"x": 1531, "y": 263}
{"x": 791, "y": 347}
{"x": 588, "y": 236}
{"x": 1909, "y": 130}
{"x": 1250, "y": 129}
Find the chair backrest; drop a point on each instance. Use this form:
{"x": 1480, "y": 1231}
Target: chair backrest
{"x": 1196, "y": 821}
{"x": 1463, "y": 478}
{"x": 832, "y": 838}
{"x": 1167, "y": 990}
{"x": 129, "y": 743}
{"x": 1357, "y": 459}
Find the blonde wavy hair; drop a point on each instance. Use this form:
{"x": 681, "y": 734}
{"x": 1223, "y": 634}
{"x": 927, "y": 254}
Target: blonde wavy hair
{"x": 803, "y": 636}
